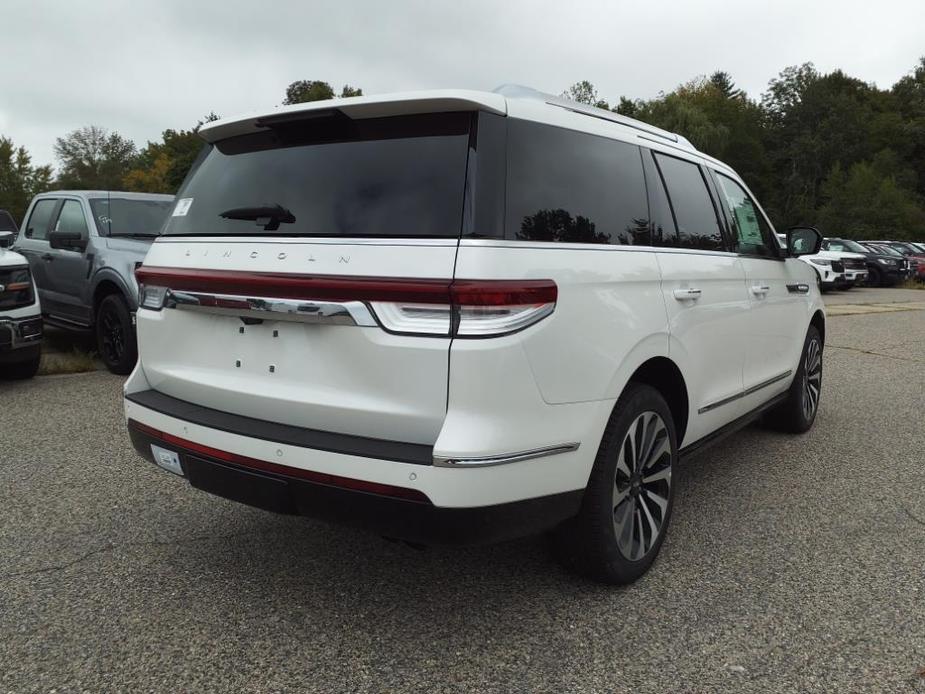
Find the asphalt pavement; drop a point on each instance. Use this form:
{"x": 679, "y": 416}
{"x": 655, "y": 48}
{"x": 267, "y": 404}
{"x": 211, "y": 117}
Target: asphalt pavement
{"x": 793, "y": 564}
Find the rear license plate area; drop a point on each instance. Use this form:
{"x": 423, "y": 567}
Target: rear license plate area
{"x": 243, "y": 486}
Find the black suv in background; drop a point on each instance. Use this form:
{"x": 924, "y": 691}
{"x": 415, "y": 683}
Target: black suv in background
{"x": 914, "y": 256}
{"x": 883, "y": 269}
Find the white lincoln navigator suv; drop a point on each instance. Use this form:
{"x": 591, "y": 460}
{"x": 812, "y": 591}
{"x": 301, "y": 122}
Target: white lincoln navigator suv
{"x": 459, "y": 317}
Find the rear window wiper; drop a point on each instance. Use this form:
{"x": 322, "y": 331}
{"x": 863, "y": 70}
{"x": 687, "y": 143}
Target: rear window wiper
{"x": 267, "y": 216}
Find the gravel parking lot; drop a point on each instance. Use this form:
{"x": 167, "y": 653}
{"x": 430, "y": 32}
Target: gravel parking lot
{"x": 792, "y": 565}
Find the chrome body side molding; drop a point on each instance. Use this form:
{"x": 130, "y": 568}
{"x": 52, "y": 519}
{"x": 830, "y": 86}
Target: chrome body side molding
{"x": 485, "y": 461}
{"x": 746, "y": 392}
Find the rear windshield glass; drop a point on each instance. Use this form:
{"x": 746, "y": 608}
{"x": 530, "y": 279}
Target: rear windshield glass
{"x": 129, "y": 217}
{"x": 332, "y": 176}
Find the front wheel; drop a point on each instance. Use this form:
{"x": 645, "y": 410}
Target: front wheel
{"x": 874, "y": 278}
{"x": 798, "y": 412}
{"x": 627, "y": 504}
{"x": 115, "y": 335}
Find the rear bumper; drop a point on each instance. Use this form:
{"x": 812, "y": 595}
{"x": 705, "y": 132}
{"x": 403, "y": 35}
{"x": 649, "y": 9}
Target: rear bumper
{"x": 385, "y": 509}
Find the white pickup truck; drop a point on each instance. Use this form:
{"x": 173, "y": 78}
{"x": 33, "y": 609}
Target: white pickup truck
{"x": 20, "y": 315}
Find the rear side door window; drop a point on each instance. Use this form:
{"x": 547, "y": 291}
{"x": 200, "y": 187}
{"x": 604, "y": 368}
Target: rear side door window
{"x": 751, "y": 233}
{"x": 691, "y": 204}
{"x": 40, "y": 219}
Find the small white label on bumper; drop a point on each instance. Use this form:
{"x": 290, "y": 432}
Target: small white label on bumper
{"x": 168, "y": 460}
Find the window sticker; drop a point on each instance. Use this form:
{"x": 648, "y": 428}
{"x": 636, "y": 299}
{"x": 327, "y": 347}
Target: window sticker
{"x": 183, "y": 205}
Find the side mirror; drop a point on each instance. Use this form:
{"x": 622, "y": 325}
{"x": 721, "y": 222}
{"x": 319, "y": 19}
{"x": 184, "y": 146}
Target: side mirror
{"x": 67, "y": 240}
{"x": 803, "y": 241}
{"x": 6, "y": 239}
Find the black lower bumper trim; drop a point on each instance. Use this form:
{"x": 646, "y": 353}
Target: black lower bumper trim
{"x": 415, "y": 521}
{"x": 332, "y": 442}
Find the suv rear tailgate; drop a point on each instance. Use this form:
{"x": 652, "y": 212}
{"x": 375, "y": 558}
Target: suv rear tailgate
{"x": 353, "y": 379}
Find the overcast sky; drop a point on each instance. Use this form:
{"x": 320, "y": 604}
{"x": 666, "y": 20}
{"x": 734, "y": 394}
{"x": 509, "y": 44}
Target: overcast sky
{"x": 139, "y": 66}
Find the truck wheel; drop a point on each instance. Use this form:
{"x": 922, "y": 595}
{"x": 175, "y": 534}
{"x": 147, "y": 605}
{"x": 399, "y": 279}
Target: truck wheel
{"x": 627, "y": 504}
{"x": 115, "y": 336}
{"x": 874, "y": 277}
{"x": 21, "y": 370}
{"x": 798, "y": 412}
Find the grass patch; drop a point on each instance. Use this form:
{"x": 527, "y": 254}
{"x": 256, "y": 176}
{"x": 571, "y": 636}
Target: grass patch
{"x": 912, "y": 284}
{"x": 74, "y": 362}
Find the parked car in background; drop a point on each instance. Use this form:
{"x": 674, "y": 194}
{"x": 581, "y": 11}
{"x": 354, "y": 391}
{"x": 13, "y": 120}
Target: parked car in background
{"x": 914, "y": 255}
{"x": 393, "y": 332}
{"x": 83, "y": 248}
{"x": 829, "y": 267}
{"x": 883, "y": 270}
{"x": 907, "y": 266}
{"x": 7, "y": 223}
{"x": 20, "y": 312}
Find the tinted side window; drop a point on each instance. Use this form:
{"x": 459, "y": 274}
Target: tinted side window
{"x": 71, "y": 218}
{"x": 37, "y": 226}
{"x": 661, "y": 222}
{"x": 690, "y": 200}
{"x": 751, "y": 232}
{"x": 7, "y": 223}
{"x": 573, "y": 187}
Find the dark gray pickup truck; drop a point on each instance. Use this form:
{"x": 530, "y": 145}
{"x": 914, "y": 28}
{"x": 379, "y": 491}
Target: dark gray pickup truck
{"x": 83, "y": 247}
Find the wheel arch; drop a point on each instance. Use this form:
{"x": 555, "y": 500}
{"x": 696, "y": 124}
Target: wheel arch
{"x": 818, "y": 322}
{"x": 664, "y": 375}
{"x": 108, "y": 283}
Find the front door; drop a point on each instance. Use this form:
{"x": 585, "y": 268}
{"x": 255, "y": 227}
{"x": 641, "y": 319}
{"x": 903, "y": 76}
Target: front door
{"x": 68, "y": 270}
{"x": 775, "y": 293}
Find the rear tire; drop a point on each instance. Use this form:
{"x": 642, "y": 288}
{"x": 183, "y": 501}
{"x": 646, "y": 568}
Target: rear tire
{"x": 21, "y": 370}
{"x": 115, "y": 335}
{"x": 627, "y": 505}
{"x": 798, "y": 412}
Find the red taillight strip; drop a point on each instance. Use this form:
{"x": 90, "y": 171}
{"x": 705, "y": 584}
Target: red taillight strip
{"x": 341, "y": 288}
{"x": 285, "y": 470}
{"x": 503, "y": 292}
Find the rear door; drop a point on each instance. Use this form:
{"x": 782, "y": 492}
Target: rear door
{"x": 277, "y": 246}
{"x": 777, "y": 294}
{"x": 33, "y": 241}
{"x": 704, "y": 289}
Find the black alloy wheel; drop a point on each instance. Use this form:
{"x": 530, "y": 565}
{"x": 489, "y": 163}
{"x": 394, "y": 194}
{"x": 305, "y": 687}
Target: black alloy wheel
{"x": 115, "y": 335}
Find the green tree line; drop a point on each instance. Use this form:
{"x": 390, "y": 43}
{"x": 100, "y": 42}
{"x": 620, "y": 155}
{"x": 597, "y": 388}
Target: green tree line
{"x": 817, "y": 148}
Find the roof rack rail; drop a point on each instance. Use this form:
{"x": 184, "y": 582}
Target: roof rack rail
{"x": 516, "y": 91}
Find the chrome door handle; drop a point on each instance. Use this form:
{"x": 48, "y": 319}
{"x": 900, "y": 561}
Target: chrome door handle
{"x": 687, "y": 294}
{"x": 47, "y": 256}
{"x": 760, "y": 290}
